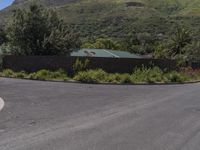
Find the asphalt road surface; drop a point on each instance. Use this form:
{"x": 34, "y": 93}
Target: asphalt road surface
{"x": 62, "y": 116}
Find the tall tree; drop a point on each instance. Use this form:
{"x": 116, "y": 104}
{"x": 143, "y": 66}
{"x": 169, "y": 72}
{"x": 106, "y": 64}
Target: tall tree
{"x": 3, "y": 38}
{"x": 103, "y": 43}
{"x": 181, "y": 38}
{"x": 40, "y": 31}
{"x": 192, "y": 51}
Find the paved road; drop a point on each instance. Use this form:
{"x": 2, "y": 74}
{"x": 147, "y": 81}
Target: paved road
{"x": 61, "y": 116}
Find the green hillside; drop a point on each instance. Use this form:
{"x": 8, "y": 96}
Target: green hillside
{"x": 116, "y": 18}
{"x": 177, "y": 7}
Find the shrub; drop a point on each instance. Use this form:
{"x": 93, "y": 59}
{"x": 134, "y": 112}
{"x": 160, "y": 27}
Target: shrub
{"x": 150, "y": 75}
{"x": 91, "y": 76}
{"x": 100, "y": 76}
{"x": 85, "y": 78}
{"x": 32, "y": 76}
{"x": 21, "y": 74}
{"x": 175, "y": 77}
{"x": 155, "y": 75}
{"x": 118, "y": 78}
{"x": 191, "y": 73}
{"x": 8, "y": 73}
{"x": 42, "y": 75}
{"x": 140, "y": 75}
{"x": 113, "y": 78}
{"x": 59, "y": 74}
{"x": 46, "y": 75}
{"x": 126, "y": 78}
{"x": 80, "y": 66}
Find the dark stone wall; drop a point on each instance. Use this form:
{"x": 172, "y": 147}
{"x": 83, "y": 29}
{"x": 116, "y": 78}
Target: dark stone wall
{"x": 112, "y": 65}
{"x": 194, "y": 64}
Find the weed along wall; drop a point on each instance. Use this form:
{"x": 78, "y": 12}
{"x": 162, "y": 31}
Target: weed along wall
{"x": 111, "y": 65}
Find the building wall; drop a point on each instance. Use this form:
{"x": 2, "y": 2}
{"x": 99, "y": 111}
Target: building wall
{"x": 112, "y": 65}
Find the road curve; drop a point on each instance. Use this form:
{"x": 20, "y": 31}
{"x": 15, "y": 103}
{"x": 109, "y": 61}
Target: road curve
{"x": 62, "y": 116}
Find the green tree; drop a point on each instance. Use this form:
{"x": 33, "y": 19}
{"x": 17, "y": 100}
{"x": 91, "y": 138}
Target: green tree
{"x": 3, "y": 38}
{"x": 40, "y": 31}
{"x": 181, "y": 38}
{"x": 161, "y": 51}
{"x": 141, "y": 43}
{"x": 103, "y": 43}
{"x": 175, "y": 47}
{"x": 192, "y": 51}
{"x": 130, "y": 40}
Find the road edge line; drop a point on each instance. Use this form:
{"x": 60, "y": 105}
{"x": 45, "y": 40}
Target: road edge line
{"x": 2, "y": 104}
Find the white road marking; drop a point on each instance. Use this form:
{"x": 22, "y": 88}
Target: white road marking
{"x": 1, "y": 104}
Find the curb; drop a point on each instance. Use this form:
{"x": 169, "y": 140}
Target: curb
{"x": 78, "y": 82}
{"x": 2, "y": 104}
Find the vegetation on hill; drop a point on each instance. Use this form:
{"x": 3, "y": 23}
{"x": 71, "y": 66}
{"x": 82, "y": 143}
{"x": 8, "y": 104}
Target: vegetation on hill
{"x": 38, "y": 31}
{"x": 116, "y": 18}
{"x": 3, "y": 37}
{"x": 162, "y": 28}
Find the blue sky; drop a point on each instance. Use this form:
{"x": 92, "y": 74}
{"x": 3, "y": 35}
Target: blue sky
{"x": 5, "y": 3}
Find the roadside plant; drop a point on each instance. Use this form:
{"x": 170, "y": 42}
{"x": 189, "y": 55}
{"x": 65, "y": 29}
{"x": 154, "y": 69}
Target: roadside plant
{"x": 8, "y": 73}
{"x": 21, "y": 74}
{"x": 144, "y": 74}
{"x": 49, "y": 75}
{"x": 79, "y": 66}
{"x": 175, "y": 77}
{"x": 140, "y": 75}
{"x": 91, "y": 76}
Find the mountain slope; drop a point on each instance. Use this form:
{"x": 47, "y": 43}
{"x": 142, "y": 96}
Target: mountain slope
{"x": 46, "y": 2}
{"x": 116, "y": 18}
{"x": 180, "y": 7}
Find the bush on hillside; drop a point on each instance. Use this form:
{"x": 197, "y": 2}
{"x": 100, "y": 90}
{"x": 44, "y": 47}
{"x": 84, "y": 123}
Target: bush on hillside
{"x": 40, "y": 31}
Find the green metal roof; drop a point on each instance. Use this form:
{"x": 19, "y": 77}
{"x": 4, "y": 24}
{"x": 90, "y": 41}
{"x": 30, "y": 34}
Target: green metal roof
{"x": 104, "y": 53}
